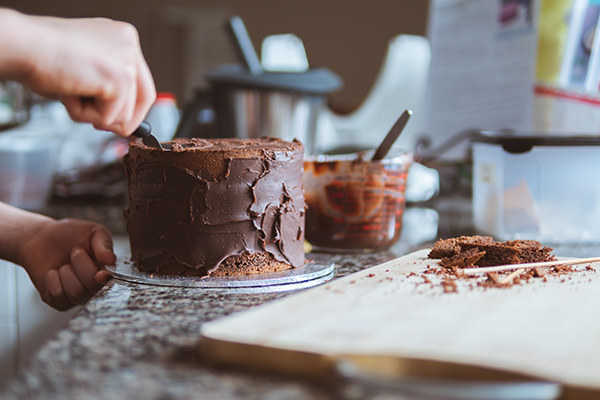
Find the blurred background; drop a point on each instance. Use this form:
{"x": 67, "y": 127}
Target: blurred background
{"x": 182, "y": 40}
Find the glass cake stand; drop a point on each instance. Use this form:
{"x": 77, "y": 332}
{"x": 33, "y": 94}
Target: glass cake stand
{"x": 312, "y": 274}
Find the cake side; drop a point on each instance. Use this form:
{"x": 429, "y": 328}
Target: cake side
{"x": 222, "y": 206}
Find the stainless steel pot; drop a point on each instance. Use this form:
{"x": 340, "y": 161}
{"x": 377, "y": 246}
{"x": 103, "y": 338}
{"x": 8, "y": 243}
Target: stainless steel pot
{"x": 244, "y": 105}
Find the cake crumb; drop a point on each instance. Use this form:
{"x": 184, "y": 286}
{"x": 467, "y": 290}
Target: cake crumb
{"x": 493, "y": 277}
{"x": 449, "y": 286}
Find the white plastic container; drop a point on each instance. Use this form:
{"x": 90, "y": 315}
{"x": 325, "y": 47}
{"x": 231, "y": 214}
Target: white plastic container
{"x": 26, "y": 169}
{"x": 164, "y": 116}
{"x": 545, "y": 188}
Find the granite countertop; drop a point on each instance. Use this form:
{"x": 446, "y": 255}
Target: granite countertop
{"x": 137, "y": 341}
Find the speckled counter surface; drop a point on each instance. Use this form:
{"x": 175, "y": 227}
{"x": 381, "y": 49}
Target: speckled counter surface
{"x": 136, "y": 341}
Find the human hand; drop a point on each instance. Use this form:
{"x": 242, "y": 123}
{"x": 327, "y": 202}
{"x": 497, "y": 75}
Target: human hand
{"x": 94, "y": 66}
{"x": 64, "y": 260}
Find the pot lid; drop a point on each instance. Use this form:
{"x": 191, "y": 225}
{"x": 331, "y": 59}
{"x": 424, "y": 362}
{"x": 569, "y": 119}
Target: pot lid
{"x": 313, "y": 81}
{"x": 516, "y": 143}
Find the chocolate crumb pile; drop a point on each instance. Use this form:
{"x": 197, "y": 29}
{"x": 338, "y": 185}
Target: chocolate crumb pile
{"x": 455, "y": 254}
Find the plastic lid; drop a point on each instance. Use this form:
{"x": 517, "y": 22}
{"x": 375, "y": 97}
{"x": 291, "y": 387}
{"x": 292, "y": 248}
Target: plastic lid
{"x": 165, "y": 96}
{"x": 514, "y": 143}
{"x": 314, "y": 81}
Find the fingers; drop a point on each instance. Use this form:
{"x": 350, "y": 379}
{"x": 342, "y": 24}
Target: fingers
{"x": 54, "y": 295}
{"x": 139, "y": 99}
{"x": 119, "y": 82}
{"x": 123, "y": 121}
{"x": 73, "y": 288}
{"x": 85, "y": 270}
{"x": 102, "y": 277}
{"x": 64, "y": 289}
{"x": 104, "y": 114}
{"x": 102, "y": 246}
{"x": 75, "y": 283}
{"x": 146, "y": 94}
{"x": 121, "y": 114}
{"x": 82, "y": 109}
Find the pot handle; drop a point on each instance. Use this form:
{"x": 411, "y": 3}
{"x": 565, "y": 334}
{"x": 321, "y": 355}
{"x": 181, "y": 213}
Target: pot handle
{"x": 199, "y": 117}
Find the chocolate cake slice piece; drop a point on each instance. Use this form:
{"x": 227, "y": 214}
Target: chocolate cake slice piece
{"x": 444, "y": 248}
{"x": 483, "y": 251}
{"x": 453, "y": 246}
{"x": 466, "y": 259}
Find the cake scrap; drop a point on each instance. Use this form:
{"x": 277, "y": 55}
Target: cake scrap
{"x": 455, "y": 254}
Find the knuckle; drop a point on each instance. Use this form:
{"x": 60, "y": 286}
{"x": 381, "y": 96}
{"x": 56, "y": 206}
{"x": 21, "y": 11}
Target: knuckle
{"x": 74, "y": 115}
{"x": 109, "y": 88}
{"x": 103, "y": 123}
{"x": 129, "y": 73}
{"x": 68, "y": 223}
{"x": 118, "y": 128}
{"x": 78, "y": 254}
{"x": 127, "y": 32}
{"x": 152, "y": 97}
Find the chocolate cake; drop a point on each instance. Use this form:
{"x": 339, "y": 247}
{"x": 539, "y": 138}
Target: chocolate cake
{"x": 483, "y": 251}
{"x": 216, "y": 206}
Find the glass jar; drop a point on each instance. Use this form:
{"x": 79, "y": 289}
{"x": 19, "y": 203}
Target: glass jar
{"x": 355, "y": 204}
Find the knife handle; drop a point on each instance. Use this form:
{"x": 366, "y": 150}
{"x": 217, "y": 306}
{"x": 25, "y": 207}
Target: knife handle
{"x": 143, "y": 130}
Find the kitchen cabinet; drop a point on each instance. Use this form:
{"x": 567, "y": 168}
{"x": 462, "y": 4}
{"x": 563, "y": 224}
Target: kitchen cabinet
{"x": 26, "y": 322}
{"x": 36, "y": 321}
{"x": 8, "y": 351}
{"x": 8, "y": 322}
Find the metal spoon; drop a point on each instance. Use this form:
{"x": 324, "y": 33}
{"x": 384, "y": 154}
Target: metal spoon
{"x": 391, "y": 137}
{"x": 144, "y": 131}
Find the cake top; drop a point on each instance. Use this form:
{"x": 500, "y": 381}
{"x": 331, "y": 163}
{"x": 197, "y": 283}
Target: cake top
{"x": 212, "y": 155}
{"x": 262, "y": 144}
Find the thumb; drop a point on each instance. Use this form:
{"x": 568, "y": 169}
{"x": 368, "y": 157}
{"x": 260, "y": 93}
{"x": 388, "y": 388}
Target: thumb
{"x": 102, "y": 246}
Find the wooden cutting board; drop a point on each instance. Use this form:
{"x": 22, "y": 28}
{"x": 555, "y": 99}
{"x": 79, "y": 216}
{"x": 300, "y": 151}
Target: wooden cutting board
{"x": 391, "y": 322}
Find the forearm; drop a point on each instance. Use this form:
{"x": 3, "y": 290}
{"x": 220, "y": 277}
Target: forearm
{"x": 15, "y": 33}
{"x": 16, "y": 226}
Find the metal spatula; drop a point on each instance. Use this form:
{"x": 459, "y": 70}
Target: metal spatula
{"x": 144, "y": 131}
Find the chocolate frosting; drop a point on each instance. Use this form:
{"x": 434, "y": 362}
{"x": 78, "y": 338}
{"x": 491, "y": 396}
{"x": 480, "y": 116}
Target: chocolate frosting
{"x": 205, "y": 200}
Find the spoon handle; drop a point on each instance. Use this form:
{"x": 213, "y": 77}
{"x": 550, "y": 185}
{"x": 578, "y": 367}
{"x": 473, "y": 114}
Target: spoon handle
{"x": 144, "y": 131}
{"x": 391, "y": 137}
{"x": 244, "y": 45}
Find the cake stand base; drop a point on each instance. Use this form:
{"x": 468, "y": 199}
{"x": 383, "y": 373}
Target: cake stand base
{"x": 291, "y": 279}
